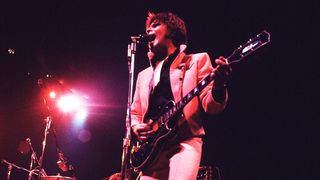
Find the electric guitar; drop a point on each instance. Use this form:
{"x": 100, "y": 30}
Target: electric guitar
{"x": 165, "y": 124}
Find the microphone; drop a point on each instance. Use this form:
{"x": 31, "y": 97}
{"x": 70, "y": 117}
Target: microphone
{"x": 143, "y": 38}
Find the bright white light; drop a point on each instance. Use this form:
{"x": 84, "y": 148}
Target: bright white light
{"x": 52, "y": 95}
{"x": 80, "y": 117}
{"x": 74, "y": 105}
{"x": 70, "y": 103}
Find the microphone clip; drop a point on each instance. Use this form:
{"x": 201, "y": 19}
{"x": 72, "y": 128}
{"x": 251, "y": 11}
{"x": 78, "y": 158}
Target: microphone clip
{"x": 143, "y": 38}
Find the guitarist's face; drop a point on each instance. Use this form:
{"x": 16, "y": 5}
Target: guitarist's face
{"x": 158, "y": 48}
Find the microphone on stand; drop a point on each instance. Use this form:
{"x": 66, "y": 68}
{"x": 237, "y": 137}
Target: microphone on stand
{"x": 143, "y": 38}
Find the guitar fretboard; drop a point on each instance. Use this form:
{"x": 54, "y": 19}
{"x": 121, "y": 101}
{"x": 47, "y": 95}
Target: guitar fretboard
{"x": 187, "y": 98}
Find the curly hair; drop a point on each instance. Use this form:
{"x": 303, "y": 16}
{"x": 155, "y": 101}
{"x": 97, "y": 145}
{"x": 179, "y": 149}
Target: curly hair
{"x": 176, "y": 26}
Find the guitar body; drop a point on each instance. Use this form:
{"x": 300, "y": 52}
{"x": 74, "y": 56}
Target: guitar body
{"x": 144, "y": 153}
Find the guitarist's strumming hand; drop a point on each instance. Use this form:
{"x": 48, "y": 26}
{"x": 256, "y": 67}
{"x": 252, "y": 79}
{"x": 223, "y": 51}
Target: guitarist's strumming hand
{"x": 143, "y": 130}
{"x": 221, "y": 72}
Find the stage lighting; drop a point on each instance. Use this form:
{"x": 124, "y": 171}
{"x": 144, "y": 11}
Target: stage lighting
{"x": 70, "y": 103}
{"x": 52, "y": 94}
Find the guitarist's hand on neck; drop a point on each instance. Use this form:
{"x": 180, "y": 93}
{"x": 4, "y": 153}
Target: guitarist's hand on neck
{"x": 221, "y": 73}
{"x": 143, "y": 130}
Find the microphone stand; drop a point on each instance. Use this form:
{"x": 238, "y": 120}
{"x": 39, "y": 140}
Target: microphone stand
{"x": 126, "y": 140}
{"x": 33, "y": 159}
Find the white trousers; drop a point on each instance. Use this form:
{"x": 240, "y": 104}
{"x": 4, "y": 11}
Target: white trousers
{"x": 181, "y": 162}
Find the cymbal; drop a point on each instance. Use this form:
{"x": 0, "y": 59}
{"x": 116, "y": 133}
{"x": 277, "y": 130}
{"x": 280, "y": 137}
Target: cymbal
{"x": 57, "y": 177}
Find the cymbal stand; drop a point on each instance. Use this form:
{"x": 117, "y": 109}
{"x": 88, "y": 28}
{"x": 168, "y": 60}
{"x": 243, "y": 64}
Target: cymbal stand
{"x": 44, "y": 142}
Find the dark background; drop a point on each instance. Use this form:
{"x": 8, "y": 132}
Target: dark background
{"x": 268, "y": 130}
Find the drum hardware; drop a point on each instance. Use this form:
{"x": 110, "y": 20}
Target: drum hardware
{"x": 11, "y": 165}
{"x": 57, "y": 177}
{"x": 36, "y": 165}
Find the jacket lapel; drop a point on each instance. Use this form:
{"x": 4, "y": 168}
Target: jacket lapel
{"x": 177, "y": 69}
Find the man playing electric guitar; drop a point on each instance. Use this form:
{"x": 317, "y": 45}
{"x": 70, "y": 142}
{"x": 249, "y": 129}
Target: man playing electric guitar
{"x": 168, "y": 127}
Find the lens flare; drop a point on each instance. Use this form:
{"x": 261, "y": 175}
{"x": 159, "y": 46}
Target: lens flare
{"x": 70, "y": 103}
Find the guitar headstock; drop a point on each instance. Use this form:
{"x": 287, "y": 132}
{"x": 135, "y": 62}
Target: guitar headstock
{"x": 253, "y": 44}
